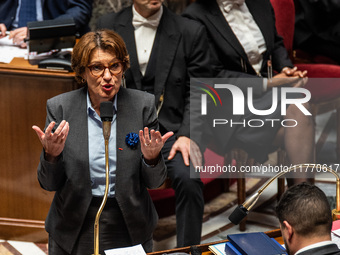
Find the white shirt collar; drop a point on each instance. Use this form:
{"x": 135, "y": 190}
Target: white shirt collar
{"x": 246, "y": 31}
{"x": 315, "y": 245}
{"x": 139, "y": 20}
{"x": 227, "y": 5}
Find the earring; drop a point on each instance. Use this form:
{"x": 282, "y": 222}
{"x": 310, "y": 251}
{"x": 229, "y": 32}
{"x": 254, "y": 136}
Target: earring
{"x": 83, "y": 80}
{"x": 123, "y": 81}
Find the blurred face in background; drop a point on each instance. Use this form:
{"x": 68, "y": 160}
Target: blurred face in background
{"x": 147, "y": 8}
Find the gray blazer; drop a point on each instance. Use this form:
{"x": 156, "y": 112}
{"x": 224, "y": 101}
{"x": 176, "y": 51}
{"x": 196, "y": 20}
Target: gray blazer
{"x": 70, "y": 176}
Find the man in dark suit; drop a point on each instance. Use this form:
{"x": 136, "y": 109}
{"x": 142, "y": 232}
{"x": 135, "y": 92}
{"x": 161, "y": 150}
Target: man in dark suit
{"x": 165, "y": 51}
{"x": 11, "y": 11}
{"x": 306, "y": 221}
{"x": 229, "y": 50}
{"x": 245, "y": 44}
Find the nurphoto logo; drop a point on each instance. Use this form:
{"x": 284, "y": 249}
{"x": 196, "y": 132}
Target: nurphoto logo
{"x": 240, "y": 101}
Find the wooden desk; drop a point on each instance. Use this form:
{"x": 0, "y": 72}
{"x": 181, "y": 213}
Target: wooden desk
{"x": 204, "y": 247}
{"x": 24, "y": 90}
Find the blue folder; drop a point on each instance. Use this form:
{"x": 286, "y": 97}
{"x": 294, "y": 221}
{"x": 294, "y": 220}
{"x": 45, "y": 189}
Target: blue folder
{"x": 257, "y": 243}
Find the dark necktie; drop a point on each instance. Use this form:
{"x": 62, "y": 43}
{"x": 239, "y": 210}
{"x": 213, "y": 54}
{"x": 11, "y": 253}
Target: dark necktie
{"x": 27, "y": 12}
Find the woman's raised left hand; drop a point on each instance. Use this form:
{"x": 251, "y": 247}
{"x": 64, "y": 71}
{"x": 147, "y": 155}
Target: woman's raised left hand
{"x": 151, "y": 144}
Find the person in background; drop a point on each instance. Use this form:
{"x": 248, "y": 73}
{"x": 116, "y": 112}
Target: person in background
{"x": 14, "y": 15}
{"x": 306, "y": 221}
{"x": 166, "y": 50}
{"x": 317, "y": 27}
{"x": 72, "y": 162}
{"x": 245, "y": 44}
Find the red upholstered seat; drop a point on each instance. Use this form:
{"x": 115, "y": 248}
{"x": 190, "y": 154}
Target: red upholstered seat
{"x": 158, "y": 194}
{"x": 285, "y": 23}
{"x": 322, "y": 91}
{"x": 325, "y": 83}
{"x": 285, "y": 20}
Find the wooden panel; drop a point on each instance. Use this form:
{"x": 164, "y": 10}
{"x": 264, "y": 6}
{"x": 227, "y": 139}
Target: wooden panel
{"x": 23, "y": 203}
{"x": 205, "y": 247}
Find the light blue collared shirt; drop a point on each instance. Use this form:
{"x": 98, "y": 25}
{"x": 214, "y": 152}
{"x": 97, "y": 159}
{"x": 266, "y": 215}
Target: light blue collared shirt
{"x": 97, "y": 151}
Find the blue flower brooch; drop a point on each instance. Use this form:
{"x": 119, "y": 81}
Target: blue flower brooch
{"x": 132, "y": 140}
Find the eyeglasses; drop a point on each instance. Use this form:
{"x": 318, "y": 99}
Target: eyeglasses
{"x": 98, "y": 70}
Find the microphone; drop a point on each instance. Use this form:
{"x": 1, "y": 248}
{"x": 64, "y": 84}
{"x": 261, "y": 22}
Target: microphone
{"x": 238, "y": 214}
{"x": 242, "y": 211}
{"x": 106, "y": 115}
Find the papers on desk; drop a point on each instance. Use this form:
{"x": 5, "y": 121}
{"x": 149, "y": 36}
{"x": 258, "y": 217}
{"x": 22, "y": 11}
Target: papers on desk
{"x": 133, "y": 250}
{"x": 35, "y": 58}
{"x": 218, "y": 249}
{"x": 336, "y": 232}
{"x": 9, "y": 51}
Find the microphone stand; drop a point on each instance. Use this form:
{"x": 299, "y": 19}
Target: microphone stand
{"x": 106, "y": 134}
{"x": 242, "y": 210}
{"x": 96, "y": 222}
